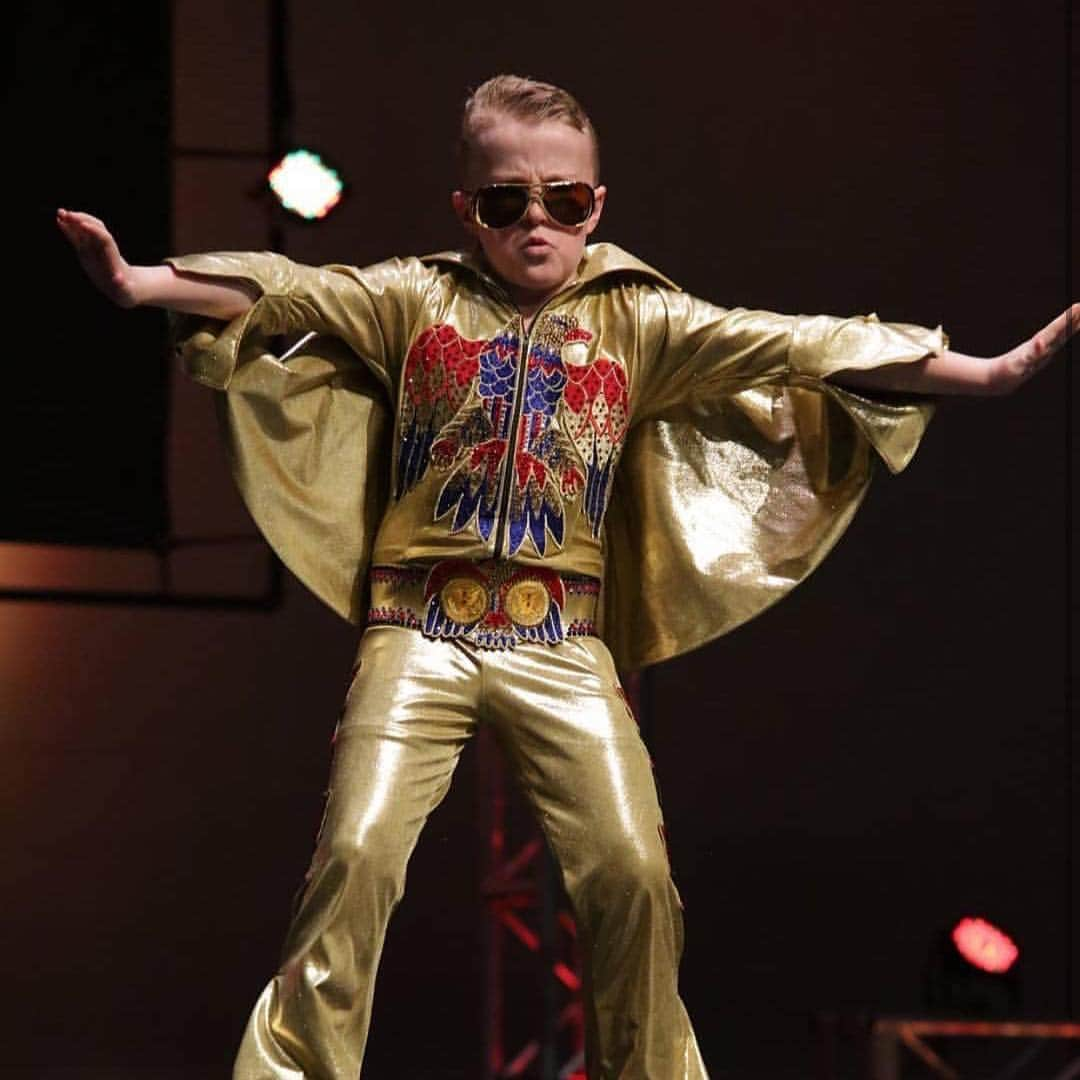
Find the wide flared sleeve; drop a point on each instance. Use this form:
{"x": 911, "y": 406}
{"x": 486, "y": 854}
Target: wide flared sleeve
{"x": 695, "y": 355}
{"x": 372, "y": 310}
{"x": 746, "y": 466}
{"x": 309, "y": 438}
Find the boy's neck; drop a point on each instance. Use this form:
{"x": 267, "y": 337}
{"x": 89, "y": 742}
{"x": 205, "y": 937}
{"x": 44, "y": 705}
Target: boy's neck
{"x": 530, "y": 303}
{"x": 528, "y": 311}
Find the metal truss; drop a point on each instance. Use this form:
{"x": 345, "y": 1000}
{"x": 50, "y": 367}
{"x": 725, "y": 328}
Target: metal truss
{"x": 525, "y": 910}
{"x": 526, "y": 916}
{"x": 925, "y": 1048}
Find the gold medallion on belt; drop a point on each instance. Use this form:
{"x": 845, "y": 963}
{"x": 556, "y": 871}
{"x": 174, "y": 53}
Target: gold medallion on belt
{"x": 527, "y": 602}
{"x": 464, "y": 599}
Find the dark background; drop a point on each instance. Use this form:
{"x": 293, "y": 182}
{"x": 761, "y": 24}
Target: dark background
{"x": 87, "y": 122}
{"x": 891, "y": 747}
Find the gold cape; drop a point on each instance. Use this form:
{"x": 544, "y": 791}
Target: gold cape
{"x": 723, "y": 501}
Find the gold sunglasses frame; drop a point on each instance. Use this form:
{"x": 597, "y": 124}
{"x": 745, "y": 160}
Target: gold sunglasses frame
{"x": 537, "y": 193}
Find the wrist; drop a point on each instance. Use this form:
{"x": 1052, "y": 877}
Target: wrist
{"x": 142, "y": 284}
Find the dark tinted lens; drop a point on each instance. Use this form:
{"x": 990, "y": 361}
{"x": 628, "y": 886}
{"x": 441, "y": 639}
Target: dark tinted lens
{"x": 569, "y": 204}
{"x": 500, "y": 205}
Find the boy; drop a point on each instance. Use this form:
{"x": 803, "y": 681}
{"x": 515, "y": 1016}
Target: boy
{"x": 516, "y": 377}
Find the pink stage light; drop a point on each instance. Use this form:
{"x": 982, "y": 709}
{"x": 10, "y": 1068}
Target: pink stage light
{"x": 984, "y": 946}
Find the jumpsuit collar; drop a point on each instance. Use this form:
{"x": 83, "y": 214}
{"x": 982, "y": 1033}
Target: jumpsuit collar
{"x": 598, "y": 261}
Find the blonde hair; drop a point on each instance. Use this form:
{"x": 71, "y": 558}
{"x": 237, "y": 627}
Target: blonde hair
{"x": 523, "y": 99}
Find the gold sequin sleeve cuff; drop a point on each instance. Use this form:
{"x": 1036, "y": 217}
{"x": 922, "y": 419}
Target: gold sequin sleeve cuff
{"x": 373, "y": 311}
{"x": 822, "y": 345}
{"x": 210, "y": 349}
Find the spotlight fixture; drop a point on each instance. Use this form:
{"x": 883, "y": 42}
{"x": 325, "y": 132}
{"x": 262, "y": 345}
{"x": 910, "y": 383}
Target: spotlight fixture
{"x": 983, "y": 945}
{"x": 305, "y": 185}
{"x": 973, "y": 970}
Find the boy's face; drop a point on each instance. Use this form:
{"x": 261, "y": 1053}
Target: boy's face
{"x": 536, "y": 256}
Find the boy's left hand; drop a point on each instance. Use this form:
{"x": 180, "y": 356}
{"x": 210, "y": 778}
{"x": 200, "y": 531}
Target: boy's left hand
{"x": 1012, "y": 369}
{"x": 951, "y": 372}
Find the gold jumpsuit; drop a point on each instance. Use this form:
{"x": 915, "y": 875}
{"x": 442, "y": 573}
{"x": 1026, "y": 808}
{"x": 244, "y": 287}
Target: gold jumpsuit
{"x": 430, "y": 465}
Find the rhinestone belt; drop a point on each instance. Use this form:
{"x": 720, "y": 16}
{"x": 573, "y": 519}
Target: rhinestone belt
{"x": 492, "y": 604}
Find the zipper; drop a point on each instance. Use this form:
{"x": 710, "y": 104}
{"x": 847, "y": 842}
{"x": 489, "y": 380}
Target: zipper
{"x": 520, "y": 383}
{"x": 521, "y": 380}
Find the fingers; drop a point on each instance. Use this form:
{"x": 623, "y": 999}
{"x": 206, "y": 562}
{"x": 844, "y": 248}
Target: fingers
{"x": 77, "y": 217}
{"x": 81, "y": 229}
{"x": 98, "y": 254}
{"x": 1055, "y": 334}
{"x": 1018, "y": 365}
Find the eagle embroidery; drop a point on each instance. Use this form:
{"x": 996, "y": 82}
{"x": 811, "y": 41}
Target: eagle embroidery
{"x": 457, "y": 414}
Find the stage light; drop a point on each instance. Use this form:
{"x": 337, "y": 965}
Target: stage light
{"x": 305, "y": 185}
{"x": 973, "y": 970}
{"x": 984, "y": 945}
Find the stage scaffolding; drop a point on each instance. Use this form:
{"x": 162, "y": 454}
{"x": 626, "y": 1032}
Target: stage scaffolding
{"x": 526, "y": 910}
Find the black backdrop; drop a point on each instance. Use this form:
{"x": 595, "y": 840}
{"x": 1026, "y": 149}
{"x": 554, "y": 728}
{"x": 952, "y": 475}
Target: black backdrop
{"x": 87, "y": 124}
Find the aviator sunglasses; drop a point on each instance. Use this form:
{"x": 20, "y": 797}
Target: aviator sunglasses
{"x": 566, "y": 202}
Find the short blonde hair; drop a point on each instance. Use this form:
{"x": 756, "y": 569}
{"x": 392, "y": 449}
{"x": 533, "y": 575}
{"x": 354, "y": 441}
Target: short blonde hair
{"x": 523, "y": 99}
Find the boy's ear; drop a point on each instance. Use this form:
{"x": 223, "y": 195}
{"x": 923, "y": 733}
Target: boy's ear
{"x": 460, "y": 202}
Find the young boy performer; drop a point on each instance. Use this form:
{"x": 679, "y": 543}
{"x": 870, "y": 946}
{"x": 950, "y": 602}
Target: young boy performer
{"x": 441, "y": 460}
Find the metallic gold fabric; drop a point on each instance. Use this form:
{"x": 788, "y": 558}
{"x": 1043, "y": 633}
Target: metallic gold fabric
{"x": 716, "y": 519}
{"x": 694, "y": 459}
{"x": 739, "y": 465}
{"x": 563, "y": 723}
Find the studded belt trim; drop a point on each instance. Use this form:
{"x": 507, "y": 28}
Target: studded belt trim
{"x": 492, "y": 604}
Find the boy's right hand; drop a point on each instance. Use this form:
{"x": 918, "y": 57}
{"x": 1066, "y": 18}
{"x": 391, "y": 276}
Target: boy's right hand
{"x": 214, "y": 296}
{"x": 99, "y": 255}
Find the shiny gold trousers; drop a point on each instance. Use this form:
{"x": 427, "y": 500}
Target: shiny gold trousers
{"x": 564, "y": 725}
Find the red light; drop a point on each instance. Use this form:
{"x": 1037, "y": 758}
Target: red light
{"x": 985, "y": 946}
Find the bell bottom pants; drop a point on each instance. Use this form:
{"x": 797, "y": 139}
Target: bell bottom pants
{"x": 561, "y": 719}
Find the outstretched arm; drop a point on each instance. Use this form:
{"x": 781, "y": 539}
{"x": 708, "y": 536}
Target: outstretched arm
{"x": 951, "y": 372}
{"x": 155, "y": 286}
